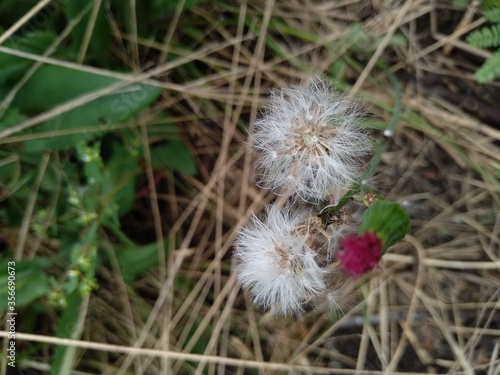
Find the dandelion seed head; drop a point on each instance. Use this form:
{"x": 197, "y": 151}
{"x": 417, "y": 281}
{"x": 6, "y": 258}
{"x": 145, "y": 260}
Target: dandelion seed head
{"x": 275, "y": 263}
{"x": 316, "y": 137}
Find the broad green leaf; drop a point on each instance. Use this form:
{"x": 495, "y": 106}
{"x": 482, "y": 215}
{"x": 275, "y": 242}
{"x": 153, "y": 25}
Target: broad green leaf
{"x": 11, "y": 117}
{"x": 174, "y": 155}
{"x": 137, "y": 260}
{"x": 53, "y": 85}
{"x": 30, "y": 281}
{"x": 12, "y": 66}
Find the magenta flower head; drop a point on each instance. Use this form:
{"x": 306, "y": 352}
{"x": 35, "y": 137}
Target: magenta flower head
{"x": 384, "y": 224}
{"x": 360, "y": 253}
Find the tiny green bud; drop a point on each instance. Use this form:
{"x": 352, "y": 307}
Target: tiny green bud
{"x": 73, "y": 273}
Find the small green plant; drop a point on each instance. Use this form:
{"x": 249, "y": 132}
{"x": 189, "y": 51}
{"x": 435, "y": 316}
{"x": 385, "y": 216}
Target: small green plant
{"x": 79, "y": 168}
{"x": 488, "y": 37}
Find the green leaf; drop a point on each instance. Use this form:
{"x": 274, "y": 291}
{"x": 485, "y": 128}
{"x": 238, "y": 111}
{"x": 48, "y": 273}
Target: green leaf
{"x": 490, "y": 70}
{"x": 388, "y": 220}
{"x": 99, "y": 41}
{"x": 64, "y": 356}
{"x": 137, "y": 260}
{"x": 53, "y": 85}
{"x": 30, "y": 281}
{"x": 118, "y": 182}
{"x": 11, "y": 117}
{"x": 12, "y": 66}
{"x": 488, "y": 36}
{"x": 175, "y": 155}
{"x": 493, "y": 14}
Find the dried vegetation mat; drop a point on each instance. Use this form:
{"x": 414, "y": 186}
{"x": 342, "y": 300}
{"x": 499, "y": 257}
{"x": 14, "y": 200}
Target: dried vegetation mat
{"x": 433, "y": 305}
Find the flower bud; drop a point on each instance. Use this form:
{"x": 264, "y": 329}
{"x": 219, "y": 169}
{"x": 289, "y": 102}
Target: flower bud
{"x": 387, "y": 220}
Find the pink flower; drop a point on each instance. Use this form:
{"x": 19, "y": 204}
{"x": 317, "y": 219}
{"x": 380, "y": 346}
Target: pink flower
{"x": 359, "y": 254}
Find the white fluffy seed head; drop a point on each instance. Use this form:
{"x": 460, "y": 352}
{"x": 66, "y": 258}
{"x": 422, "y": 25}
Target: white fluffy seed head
{"x": 310, "y": 142}
{"x": 276, "y": 265}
